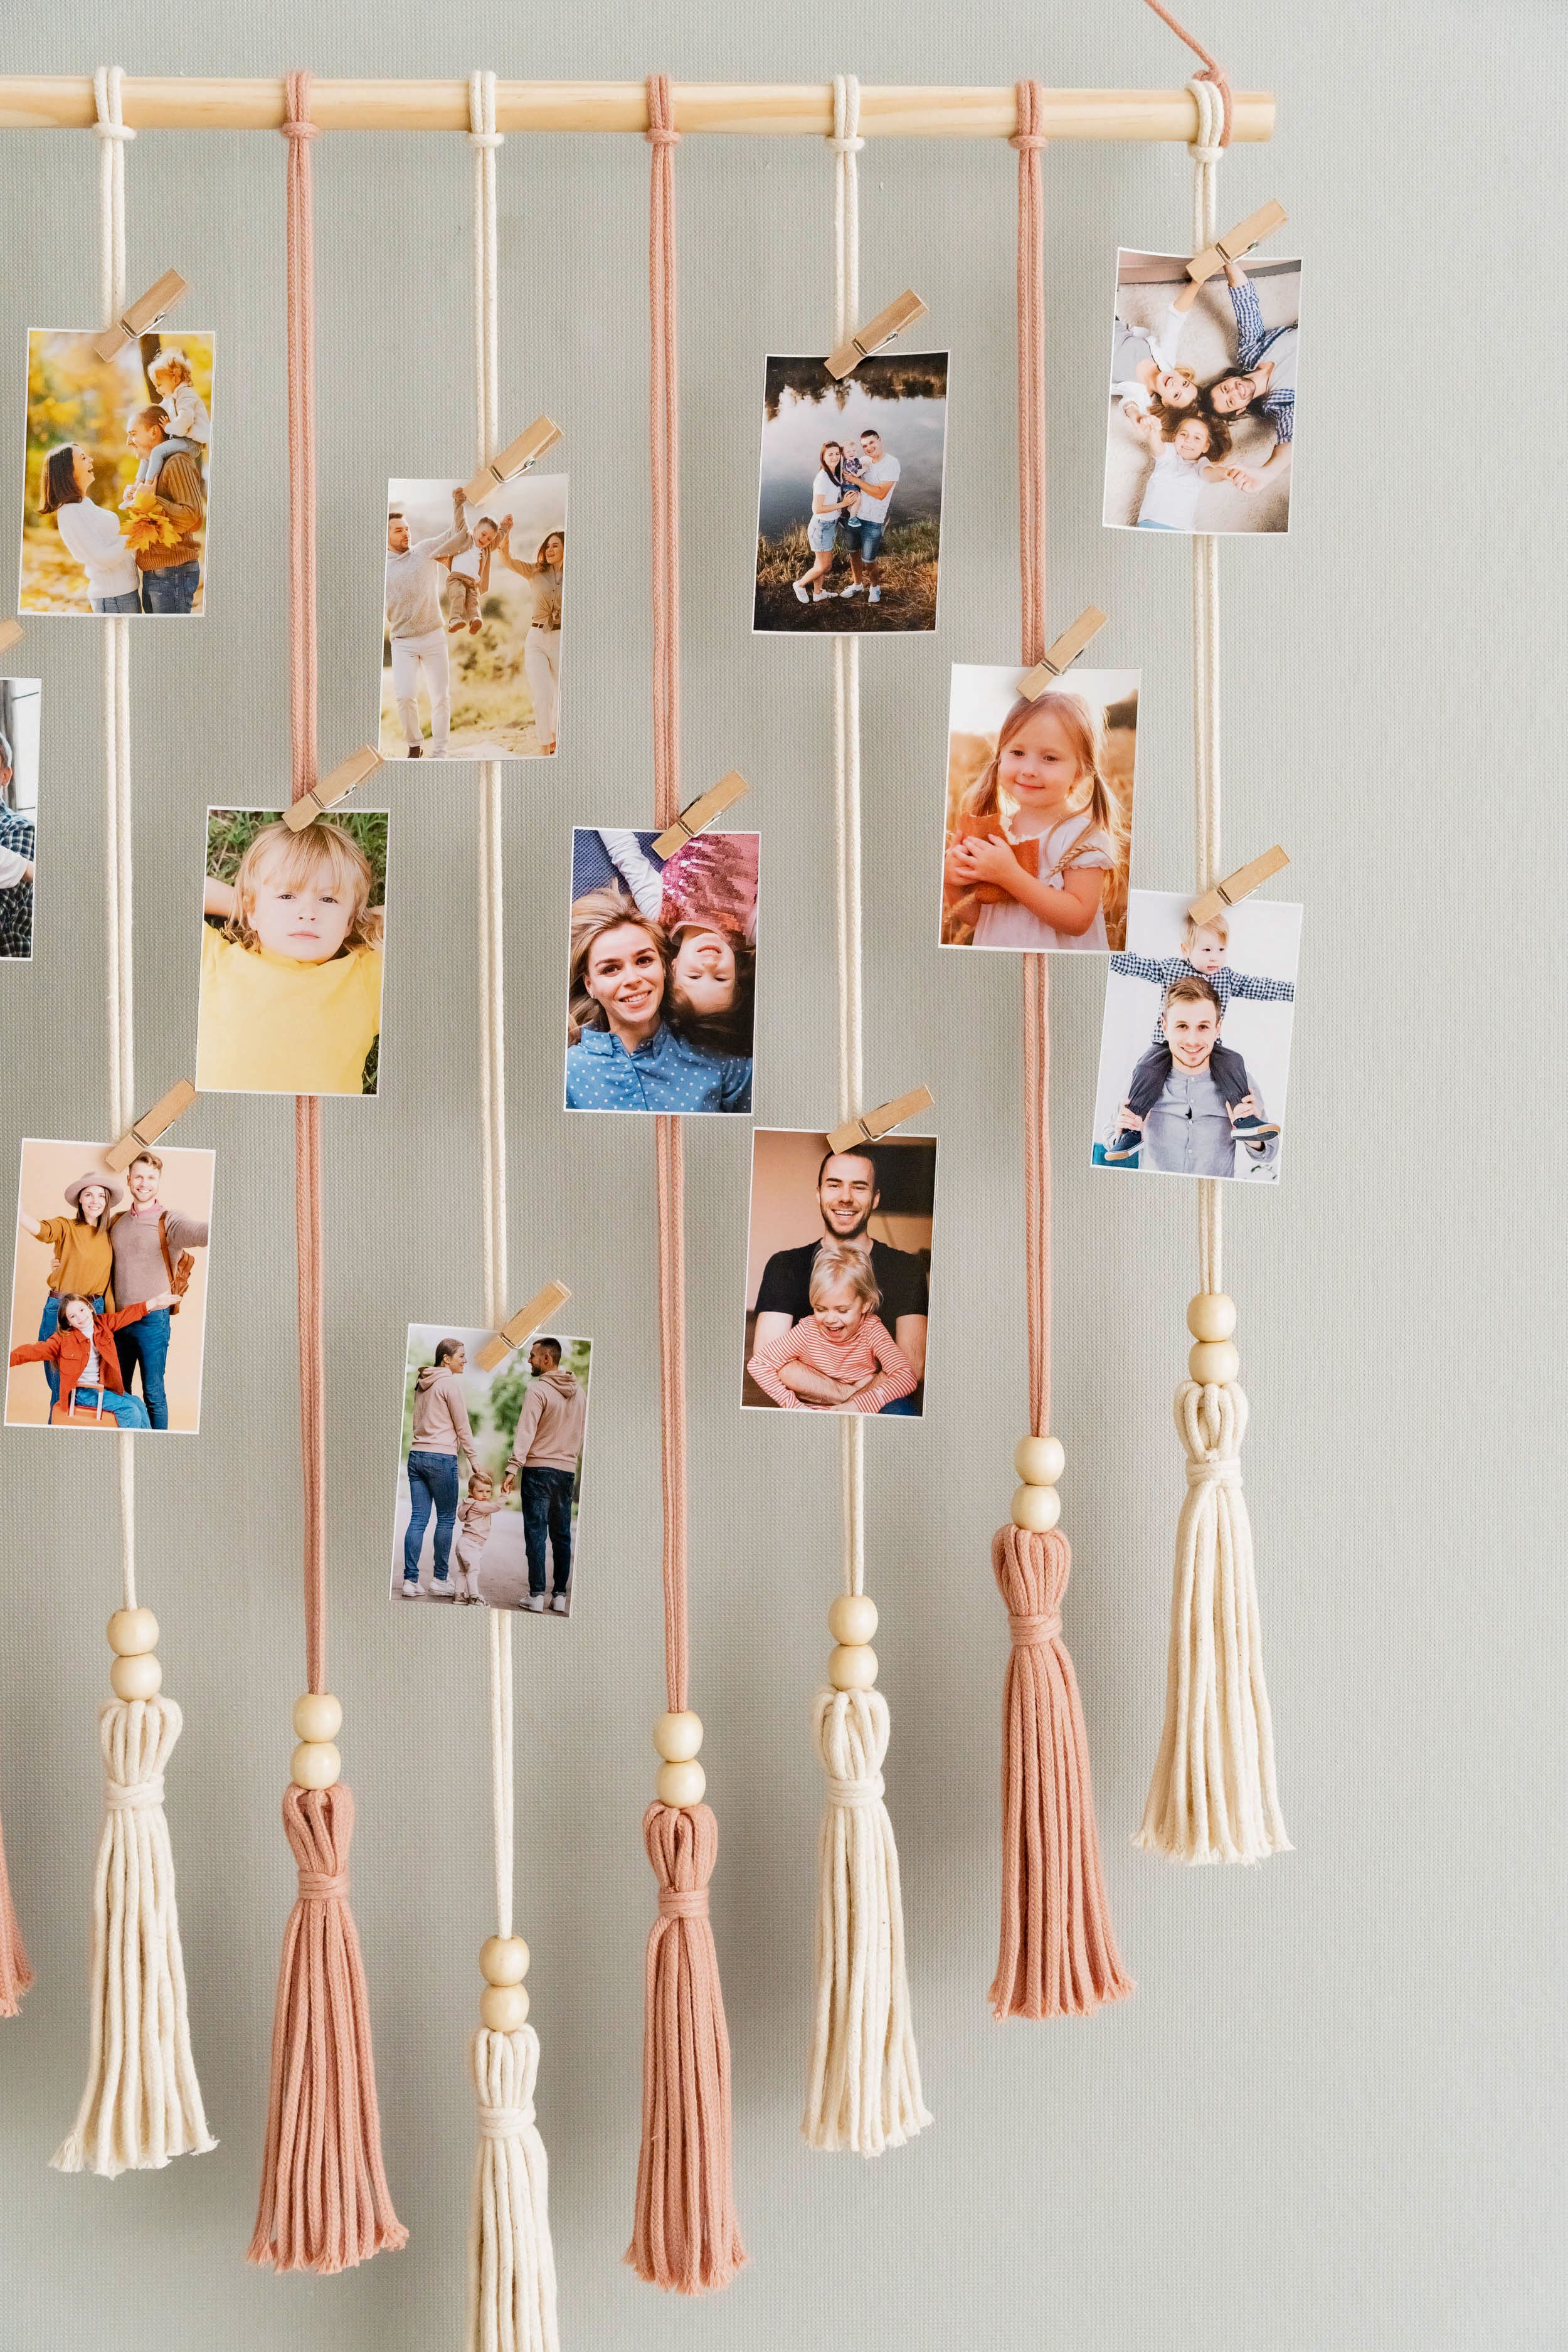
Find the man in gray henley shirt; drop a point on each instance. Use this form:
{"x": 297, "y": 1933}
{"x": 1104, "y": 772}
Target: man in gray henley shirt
{"x": 416, "y": 628}
{"x": 1189, "y": 1132}
{"x": 147, "y": 1240}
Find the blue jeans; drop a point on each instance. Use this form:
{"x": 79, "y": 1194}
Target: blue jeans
{"x": 866, "y": 540}
{"x": 432, "y": 1484}
{"x": 170, "y": 591}
{"x": 146, "y": 1344}
{"x": 49, "y": 1324}
{"x": 546, "y": 1497}
{"x": 904, "y": 1406}
{"x": 130, "y": 602}
{"x": 128, "y": 1411}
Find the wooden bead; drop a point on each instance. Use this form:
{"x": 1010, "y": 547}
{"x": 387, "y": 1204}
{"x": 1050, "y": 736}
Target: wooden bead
{"x": 503, "y": 2007}
{"x": 1213, "y": 1360}
{"x": 852, "y": 1668}
{"x": 138, "y": 1677}
{"x": 1037, "y": 1508}
{"x": 315, "y": 1764}
{"x": 681, "y": 1784}
{"x": 852, "y": 1619}
{"x": 1038, "y": 1461}
{"x": 132, "y": 1632}
{"x": 1210, "y": 1316}
{"x": 677, "y": 1738}
{"x": 503, "y": 1959}
{"x": 318, "y": 1716}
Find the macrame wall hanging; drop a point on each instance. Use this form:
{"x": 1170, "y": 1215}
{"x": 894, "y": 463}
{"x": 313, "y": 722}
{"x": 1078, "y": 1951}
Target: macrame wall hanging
{"x": 324, "y": 2204}
{"x": 141, "y": 2103}
{"x": 686, "y": 2235}
{"x": 863, "y": 2084}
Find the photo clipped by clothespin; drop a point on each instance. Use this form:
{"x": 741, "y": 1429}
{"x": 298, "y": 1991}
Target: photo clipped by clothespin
{"x": 515, "y": 459}
{"x": 881, "y": 1122}
{"x": 333, "y": 789}
{"x": 1063, "y": 654}
{"x": 526, "y": 1320}
{"x": 1237, "y": 240}
{"x": 902, "y": 312}
{"x": 151, "y": 1124}
{"x": 10, "y": 634}
{"x": 691, "y": 821}
{"x": 1237, "y": 885}
{"x": 143, "y": 315}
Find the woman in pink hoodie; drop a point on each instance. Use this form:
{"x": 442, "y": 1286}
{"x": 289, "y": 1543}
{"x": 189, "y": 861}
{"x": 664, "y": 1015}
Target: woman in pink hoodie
{"x": 441, "y": 1432}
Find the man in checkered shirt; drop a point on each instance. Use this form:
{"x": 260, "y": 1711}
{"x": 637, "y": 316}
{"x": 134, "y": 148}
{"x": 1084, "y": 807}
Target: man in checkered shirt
{"x": 1204, "y": 947}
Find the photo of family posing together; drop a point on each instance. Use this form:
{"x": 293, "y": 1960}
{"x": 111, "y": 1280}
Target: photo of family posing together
{"x": 110, "y": 1292}
{"x": 661, "y": 968}
{"x": 491, "y": 1471}
{"x": 1195, "y": 1051}
{"x": 838, "y": 1273}
{"x": 292, "y": 954}
{"x": 114, "y": 508}
{"x": 1202, "y": 395}
{"x": 470, "y": 658}
{"x": 20, "y": 701}
{"x": 1038, "y": 836}
{"x": 849, "y": 510}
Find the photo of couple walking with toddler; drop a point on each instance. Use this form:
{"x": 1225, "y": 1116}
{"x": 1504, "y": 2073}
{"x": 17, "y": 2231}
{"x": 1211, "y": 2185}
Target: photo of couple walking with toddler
{"x": 491, "y": 1471}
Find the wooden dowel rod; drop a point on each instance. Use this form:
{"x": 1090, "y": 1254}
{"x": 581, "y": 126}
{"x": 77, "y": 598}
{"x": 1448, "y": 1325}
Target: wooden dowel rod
{"x": 64, "y": 103}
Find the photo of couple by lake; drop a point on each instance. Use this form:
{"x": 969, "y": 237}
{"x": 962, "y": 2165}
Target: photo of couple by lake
{"x": 1202, "y": 395}
{"x": 490, "y": 1470}
{"x": 661, "y": 971}
{"x": 470, "y": 650}
{"x": 849, "y": 507}
{"x": 109, "y": 1290}
{"x": 116, "y": 482}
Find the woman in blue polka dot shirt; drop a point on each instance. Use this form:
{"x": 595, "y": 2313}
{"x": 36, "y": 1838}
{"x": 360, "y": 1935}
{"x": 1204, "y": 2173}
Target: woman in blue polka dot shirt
{"x": 623, "y": 1053}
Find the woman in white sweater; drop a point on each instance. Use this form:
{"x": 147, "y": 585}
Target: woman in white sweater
{"x": 90, "y": 532}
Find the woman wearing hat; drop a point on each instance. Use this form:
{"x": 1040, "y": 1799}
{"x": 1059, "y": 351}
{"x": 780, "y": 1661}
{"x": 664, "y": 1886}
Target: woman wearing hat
{"x": 84, "y": 1259}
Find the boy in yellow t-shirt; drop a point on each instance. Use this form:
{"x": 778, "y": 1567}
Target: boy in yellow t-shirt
{"x": 290, "y": 999}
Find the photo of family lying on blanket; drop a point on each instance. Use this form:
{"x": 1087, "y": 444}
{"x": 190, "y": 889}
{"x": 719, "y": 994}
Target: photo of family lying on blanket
{"x": 114, "y": 509}
{"x": 1202, "y": 395}
{"x": 1195, "y": 1051}
{"x": 20, "y": 702}
{"x": 661, "y": 968}
{"x": 490, "y": 1472}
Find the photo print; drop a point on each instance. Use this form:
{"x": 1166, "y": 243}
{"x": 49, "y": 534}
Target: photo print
{"x": 20, "y": 703}
{"x": 110, "y": 1292}
{"x": 1195, "y": 1051}
{"x": 1037, "y": 837}
{"x": 115, "y": 500}
{"x": 490, "y": 1471}
{"x": 1202, "y": 395}
{"x": 292, "y": 953}
{"x": 661, "y": 968}
{"x": 849, "y": 509}
{"x": 838, "y": 1273}
{"x": 470, "y": 654}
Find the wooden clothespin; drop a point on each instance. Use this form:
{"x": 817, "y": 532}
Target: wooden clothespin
{"x": 1063, "y": 654}
{"x": 143, "y": 315}
{"x": 151, "y": 1124}
{"x": 1237, "y": 240}
{"x": 515, "y": 459}
{"x": 10, "y": 633}
{"x": 900, "y": 314}
{"x": 526, "y": 1320}
{"x": 691, "y": 820}
{"x": 881, "y": 1122}
{"x": 333, "y": 789}
{"x": 1237, "y": 885}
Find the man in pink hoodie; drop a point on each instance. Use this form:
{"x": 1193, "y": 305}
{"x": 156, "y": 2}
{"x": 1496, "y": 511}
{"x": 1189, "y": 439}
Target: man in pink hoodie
{"x": 544, "y": 1462}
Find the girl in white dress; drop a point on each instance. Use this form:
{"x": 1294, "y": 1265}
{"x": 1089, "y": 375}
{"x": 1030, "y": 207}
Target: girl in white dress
{"x": 1040, "y": 831}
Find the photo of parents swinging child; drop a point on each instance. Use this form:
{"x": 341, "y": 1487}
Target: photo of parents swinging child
{"x": 490, "y": 1470}
{"x": 1202, "y": 395}
{"x": 470, "y": 648}
{"x": 108, "y": 1297}
{"x": 1039, "y": 830}
{"x": 1195, "y": 1051}
{"x": 292, "y": 953}
{"x": 838, "y": 1273}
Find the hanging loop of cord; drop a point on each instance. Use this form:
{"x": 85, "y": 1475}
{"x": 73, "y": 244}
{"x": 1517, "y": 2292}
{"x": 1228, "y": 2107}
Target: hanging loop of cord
{"x": 1214, "y": 80}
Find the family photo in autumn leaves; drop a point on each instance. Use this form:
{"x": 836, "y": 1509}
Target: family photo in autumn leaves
{"x": 114, "y": 518}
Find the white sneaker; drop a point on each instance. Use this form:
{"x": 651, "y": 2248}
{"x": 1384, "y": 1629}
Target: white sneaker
{"x": 799, "y": 587}
{"x": 853, "y": 590}
{"x": 874, "y": 596}
{"x": 558, "y": 1604}
{"x": 411, "y": 1588}
{"x": 821, "y": 595}
{"x": 536, "y": 1602}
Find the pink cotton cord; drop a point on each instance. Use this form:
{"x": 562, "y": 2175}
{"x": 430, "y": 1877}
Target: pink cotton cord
{"x": 1213, "y": 70}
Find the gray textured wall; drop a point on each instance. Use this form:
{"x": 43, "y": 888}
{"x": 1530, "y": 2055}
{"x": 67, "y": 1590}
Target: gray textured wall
{"x": 1329, "y": 2118}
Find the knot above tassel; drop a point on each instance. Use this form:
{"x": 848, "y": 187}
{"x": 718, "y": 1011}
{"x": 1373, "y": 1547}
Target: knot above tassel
{"x": 323, "y": 1886}
{"x": 856, "y": 1791}
{"x": 134, "y": 1796}
{"x": 683, "y": 1902}
{"x": 1028, "y": 1631}
{"x": 504, "y": 2122}
{"x": 1214, "y": 1470}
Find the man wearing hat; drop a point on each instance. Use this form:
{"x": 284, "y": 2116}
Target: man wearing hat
{"x": 84, "y": 1258}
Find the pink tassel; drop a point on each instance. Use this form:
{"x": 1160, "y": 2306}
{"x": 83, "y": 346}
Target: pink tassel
{"x": 686, "y": 2235}
{"x": 325, "y": 2204}
{"x": 1057, "y": 1955}
{"x": 16, "y": 1970}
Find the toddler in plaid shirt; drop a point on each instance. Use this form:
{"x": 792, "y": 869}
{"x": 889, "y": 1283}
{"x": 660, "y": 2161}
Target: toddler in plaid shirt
{"x": 1204, "y": 947}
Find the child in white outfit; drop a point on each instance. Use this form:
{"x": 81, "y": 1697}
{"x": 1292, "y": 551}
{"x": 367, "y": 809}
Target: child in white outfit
{"x": 189, "y": 426}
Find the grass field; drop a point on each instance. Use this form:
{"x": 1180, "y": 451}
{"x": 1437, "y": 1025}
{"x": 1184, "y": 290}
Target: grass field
{"x": 906, "y": 575}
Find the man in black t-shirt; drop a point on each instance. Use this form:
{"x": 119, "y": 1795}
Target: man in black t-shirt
{"x": 847, "y": 1196}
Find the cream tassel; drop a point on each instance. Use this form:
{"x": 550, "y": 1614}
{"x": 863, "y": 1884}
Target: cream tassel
{"x": 142, "y": 2104}
{"x": 512, "y": 2270}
